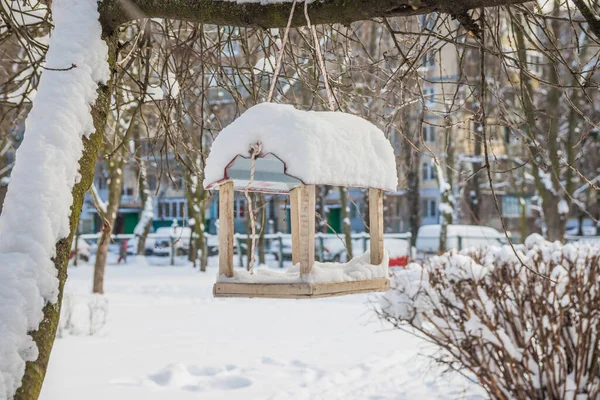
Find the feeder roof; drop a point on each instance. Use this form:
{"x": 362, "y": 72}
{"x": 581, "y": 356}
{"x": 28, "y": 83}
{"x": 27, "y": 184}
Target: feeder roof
{"x": 315, "y": 148}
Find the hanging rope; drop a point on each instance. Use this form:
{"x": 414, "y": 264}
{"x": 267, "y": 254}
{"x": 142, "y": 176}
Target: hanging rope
{"x": 319, "y": 57}
{"x": 255, "y": 150}
{"x": 280, "y": 57}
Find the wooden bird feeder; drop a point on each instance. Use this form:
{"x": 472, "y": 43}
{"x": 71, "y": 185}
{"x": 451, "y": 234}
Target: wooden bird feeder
{"x": 297, "y": 154}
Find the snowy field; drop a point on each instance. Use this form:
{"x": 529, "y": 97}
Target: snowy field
{"x": 165, "y": 336}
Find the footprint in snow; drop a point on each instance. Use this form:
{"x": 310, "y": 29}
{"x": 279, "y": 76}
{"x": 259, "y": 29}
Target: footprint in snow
{"x": 191, "y": 378}
{"x": 231, "y": 382}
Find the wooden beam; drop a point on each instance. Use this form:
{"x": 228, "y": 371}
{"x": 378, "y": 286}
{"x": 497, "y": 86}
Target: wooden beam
{"x": 299, "y": 290}
{"x": 226, "y": 229}
{"x": 376, "y": 225}
{"x": 295, "y": 223}
{"x": 306, "y": 232}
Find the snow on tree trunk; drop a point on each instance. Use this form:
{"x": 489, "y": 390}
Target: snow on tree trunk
{"x": 36, "y": 226}
{"x": 143, "y": 226}
{"x": 196, "y": 200}
{"x": 446, "y": 207}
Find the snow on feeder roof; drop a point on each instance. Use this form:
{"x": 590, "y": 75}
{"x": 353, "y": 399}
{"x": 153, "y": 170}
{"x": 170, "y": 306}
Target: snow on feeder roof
{"x": 301, "y": 147}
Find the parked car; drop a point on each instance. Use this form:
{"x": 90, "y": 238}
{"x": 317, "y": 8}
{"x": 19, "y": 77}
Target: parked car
{"x": 458, "y": 237}
{"x": 177, "y": 236}
{"x": 398, "y": 249}
{"x": 83, "y": 249}
{"x": 334, "y": 248}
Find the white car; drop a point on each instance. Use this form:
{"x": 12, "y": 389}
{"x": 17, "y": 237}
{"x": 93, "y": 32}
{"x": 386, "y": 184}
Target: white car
{"x": 163, "y": 237}
{"x": 458, "y": 237}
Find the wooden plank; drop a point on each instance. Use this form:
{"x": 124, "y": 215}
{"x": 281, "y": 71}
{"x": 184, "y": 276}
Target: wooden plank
{"x": 306, "y": 216}
{"x": 299, "y": 290}
{"x": 263, "y": 289}
{"x": 226, "y": 229}
{"x": 371, "y": 285}
{"x": 295, "y": 223}
{"x": 376, "y": 225}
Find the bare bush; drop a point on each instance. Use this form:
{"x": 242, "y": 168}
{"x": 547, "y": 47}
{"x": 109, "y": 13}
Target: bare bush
{"x": 82, "y": 315}
{"x": 526, "y": 330}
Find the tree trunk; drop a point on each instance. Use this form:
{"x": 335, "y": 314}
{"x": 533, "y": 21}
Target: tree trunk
{"x": 260, "y": 205}
{"x": 115, "y": 187}
{"x": 554, "y": 222}
{"x": 445, "y": 183}
{"x": 196, "y": 197}
{"x": 145, "y": 196}
{"x": 35, "y": 371}
{"x": 346, "y": 225}
{"x": 412, "y": 162}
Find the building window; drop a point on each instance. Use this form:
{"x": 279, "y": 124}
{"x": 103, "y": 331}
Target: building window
{"x": 429, "y": 208}
{"x": 242, "y": 208}
{"x": 169, "y": 209}
{"x": 428, "y": 60}
{"x": 511, "y": 206}
{"x": 507, "y": 135}
{"x": 239, "y": 208}
{"x": 429, "y": 134}
{"x": 535, "y": 62}
{"x": 427, "y": 172}
{"x": 127, "y": 191}
{"x": 428, "y": 95}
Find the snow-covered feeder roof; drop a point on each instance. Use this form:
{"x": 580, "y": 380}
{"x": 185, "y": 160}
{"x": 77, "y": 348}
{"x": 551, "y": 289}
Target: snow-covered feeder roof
{"x": 309, "y": 147}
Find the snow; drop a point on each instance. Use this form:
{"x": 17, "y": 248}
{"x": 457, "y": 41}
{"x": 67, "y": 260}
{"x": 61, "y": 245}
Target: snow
{"x": 147, "y": 216}
{"x": 357, "y": 269}
{"x": 563, "y": 207}
{"x": 37, "y": 206}
{"x": 166, "y": 337}
{"x": 265, "y": 64}
{"x": 330, "y": 148}
{"x": 98, "y": 202}
{"x": 446, "y": 208}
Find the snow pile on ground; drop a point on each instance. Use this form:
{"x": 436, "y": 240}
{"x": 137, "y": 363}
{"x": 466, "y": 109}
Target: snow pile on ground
{"x": 530, "y": 306}
{"x": 37, "y": 206}
{"x": 329, "y": 148}
{"x": 357, "y": 269}
{"x": 166, "y": 337}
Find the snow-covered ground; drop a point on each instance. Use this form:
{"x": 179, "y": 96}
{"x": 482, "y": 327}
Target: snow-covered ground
{"x": 165, "y": 336}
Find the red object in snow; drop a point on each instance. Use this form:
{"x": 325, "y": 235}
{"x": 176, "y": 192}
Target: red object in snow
{"x": 399, "y": 261}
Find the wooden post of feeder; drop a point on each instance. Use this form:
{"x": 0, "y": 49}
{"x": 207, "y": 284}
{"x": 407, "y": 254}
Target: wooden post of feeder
{"x": 303, "y": 237}
{"x": 226, "y": 229}
{"x": 376, "y": 225}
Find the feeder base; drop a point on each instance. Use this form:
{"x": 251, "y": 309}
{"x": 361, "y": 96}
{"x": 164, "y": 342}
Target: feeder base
{"x": 299, "y": 290}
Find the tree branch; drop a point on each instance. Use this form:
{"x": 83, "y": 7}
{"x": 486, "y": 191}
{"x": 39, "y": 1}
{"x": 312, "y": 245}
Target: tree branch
{"x": 225, "y": 12}
{"x": 590, "y": 16}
